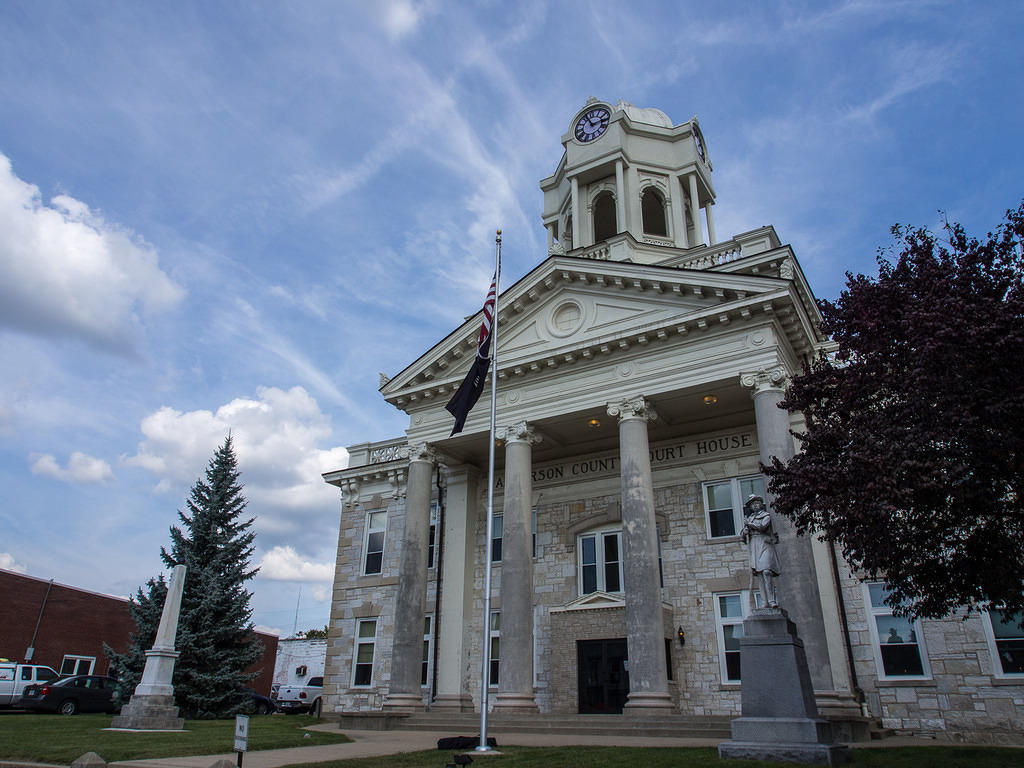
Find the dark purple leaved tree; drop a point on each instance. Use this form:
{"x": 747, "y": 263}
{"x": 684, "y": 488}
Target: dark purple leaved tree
{"x": 913, "y": 453}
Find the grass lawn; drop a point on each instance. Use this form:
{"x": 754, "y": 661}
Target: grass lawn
{"x": 662, "y": 757}
{"x": 59, "y": 740}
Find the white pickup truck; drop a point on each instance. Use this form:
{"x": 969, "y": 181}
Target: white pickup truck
{"x": 302, "y": 698}
{"x": 15, "y": 678}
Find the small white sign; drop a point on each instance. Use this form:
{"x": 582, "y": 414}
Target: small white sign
{"x": 241, "y": 733}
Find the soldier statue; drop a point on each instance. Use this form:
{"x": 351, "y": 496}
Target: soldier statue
{"x": 759, "y": 535}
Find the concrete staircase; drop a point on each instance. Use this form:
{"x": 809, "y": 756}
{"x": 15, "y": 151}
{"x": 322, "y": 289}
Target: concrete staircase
{"x": 468, "y": 724}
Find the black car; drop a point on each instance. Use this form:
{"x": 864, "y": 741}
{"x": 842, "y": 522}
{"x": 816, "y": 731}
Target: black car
{"x": 261, "y": 704}
{"x": 70, "y": 695}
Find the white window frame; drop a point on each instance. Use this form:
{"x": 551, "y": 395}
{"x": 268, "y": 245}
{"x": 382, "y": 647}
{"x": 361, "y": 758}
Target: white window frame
{"x": 383, "y": 530}
{"x": 598, "y": 534}
{"x": 428, "y": 650}
{"x": 498, "y": 529}
{"x": 435, "y": 510}
{"x": 76, "y": 663}
{"x": 494, "y": 636}
{"x": 358, "y": 642}
{"x": 721, "y": 622}
{"x": 736, "y": 497}
{"x": 876, "y": 612}
{"x": 993, "y": 648}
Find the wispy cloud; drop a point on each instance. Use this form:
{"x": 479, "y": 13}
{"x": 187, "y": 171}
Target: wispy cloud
{"x": 81, "y": 469}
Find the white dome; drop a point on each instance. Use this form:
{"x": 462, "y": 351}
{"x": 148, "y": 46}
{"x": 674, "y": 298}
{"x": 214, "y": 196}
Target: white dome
{"x": 648, "y": 115}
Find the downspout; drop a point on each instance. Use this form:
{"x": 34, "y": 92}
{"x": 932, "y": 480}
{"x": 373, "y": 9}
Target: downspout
{"x": 858, "y": 692}
{"x": 438, "y": 557}
{"x": 31, "y": 650}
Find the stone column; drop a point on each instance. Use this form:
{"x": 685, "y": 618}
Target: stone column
{"x": 515, "y": 679}
{"x": 575, "y": 208}
{"x": 633, "y": 211}
{"x": 623, "y": 224}
{"x": 681, "y": 239}
{"x": 405, "y": 692}
{"x": 698, "y": 232}
{"x": 712, "y": 239}
{"x": 798, "y": 583}
{"x": 457, "y": 574}
{"x": 645, "y": 635}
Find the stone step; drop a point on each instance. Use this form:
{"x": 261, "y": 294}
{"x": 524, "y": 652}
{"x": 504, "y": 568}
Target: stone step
{"x": 619, "y": 725}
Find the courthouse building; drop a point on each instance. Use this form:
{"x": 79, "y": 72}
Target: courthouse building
{"x": 640, "y": 367}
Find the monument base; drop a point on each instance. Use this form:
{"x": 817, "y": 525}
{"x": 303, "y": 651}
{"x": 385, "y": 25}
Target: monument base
{"x": 809, "y": 754}
{"x": 149, "y": 713}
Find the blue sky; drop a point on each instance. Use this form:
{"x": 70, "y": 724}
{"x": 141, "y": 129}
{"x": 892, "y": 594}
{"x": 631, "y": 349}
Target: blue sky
{"x": 222, "y": 216}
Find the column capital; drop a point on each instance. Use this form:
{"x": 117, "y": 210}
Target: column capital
{"x": 632, "y": 408}
{"x": 772, "y": 379}
{"x": 423, "y": 452}
{"x": 521, "y": 432}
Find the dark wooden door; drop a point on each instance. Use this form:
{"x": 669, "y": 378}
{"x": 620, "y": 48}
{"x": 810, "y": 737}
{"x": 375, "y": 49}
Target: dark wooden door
{"x": 603, "y": 679}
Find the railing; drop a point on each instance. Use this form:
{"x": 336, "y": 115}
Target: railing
{"x": 388, "y": 450}
{"x": 716, "y": 255}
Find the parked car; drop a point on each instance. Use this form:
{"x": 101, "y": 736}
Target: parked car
{"x": 15, "y": 678}
{"x": 70, "y": 695}
{"x": 261, "y": 705}
{"x": 301, "y": 698}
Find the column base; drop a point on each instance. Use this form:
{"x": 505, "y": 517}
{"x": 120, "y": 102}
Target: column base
{"x": 515, "y": 703}
{"x": 648, "y": 701}
{"x": 452, "y": 702}
{"x": 809, "y": 754}
{"x": 403, "y": 702}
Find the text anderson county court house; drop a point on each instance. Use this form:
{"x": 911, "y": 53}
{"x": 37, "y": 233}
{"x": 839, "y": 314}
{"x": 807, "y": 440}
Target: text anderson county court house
{"x": 640, "y": 364}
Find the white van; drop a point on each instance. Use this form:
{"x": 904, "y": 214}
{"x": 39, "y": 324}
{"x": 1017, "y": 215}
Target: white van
{"x": 14, "y": 678}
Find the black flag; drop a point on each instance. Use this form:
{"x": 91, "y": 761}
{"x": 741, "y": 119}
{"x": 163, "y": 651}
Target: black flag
{"x": 473, "y": 385}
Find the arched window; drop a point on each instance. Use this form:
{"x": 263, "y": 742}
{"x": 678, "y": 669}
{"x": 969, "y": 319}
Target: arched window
{"x": 605, "y": 225}
{"x": 652, "y": 206}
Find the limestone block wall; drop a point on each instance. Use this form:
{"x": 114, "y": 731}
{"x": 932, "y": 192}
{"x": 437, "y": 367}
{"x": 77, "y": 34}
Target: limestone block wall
{"x": 962, "y": 696}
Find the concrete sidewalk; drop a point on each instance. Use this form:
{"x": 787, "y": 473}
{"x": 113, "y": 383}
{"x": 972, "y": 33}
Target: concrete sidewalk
{"x": 379, "y": 743}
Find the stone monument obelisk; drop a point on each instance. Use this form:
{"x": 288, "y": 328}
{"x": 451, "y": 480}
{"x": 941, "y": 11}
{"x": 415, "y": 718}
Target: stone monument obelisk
{"x": 779, "y": 719}
{"x": 151, "y": 707}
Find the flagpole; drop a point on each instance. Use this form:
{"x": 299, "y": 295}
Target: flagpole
{"x": 485, "y": 671}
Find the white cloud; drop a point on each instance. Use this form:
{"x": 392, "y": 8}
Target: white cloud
{"x": 285, "y": 564}
{"x": 401, "y": 17}
{"x": 8, "y": 563}
{"x": 275, "y": 437}
{"x": 66, "y": 271}
{"x": 81, "y": 468}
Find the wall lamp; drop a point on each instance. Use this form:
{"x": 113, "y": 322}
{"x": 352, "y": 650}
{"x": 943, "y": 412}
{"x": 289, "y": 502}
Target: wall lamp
{"x": 682, "y": 636}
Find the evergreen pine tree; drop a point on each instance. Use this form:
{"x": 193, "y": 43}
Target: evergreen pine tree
{"x": 215, "y": 635}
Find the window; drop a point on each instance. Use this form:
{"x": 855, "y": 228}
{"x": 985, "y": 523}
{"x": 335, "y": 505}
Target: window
{"x": 76, "y": 665}
{"x": 495, "y": 657}
{"x": 1005, "y": 632}
{"x": 366, "y": 638}
{"x": 896, "y": 639}
{"x": 428, "y": 643}
{"x": 724, "y": 503}
{"x": 730, "y": 610}
{"x": 652, "y": 208}
{"x": 431, "y": 543}
{"x": 376, "y": 524}
{"x": 534, "y": 529}
{"x": 496, "y": 538}
{"x": 600, "y": 562}
{"x": 605, "y": 225}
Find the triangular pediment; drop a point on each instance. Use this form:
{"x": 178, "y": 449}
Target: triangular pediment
{"x": 592, "y": 601}
{"x": 579, "y": 307}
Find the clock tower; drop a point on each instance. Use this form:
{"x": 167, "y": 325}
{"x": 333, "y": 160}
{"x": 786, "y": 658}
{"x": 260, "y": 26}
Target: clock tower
{"x": 631, "y": 186}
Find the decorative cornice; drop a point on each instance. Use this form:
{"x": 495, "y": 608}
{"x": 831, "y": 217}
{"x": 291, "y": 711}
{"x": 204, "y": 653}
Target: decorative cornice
{"x": 772, "y": 379}
{"x": 632, "y": 408}
{"x": 521, "y": 432}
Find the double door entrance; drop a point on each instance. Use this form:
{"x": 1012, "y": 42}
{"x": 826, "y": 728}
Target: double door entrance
{"x": 603, "y": 676}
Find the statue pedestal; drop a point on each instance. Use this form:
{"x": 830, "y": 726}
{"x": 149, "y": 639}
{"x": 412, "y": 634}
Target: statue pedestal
{"x": 152, "y": 708}
{"x": 779, "y": 719}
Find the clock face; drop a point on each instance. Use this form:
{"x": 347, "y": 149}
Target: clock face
{"x": 591, "y": 124}
{"x": 698, "y": 139}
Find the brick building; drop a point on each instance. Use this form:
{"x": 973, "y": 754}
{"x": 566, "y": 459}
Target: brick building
{"x": 66, "y": 628}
